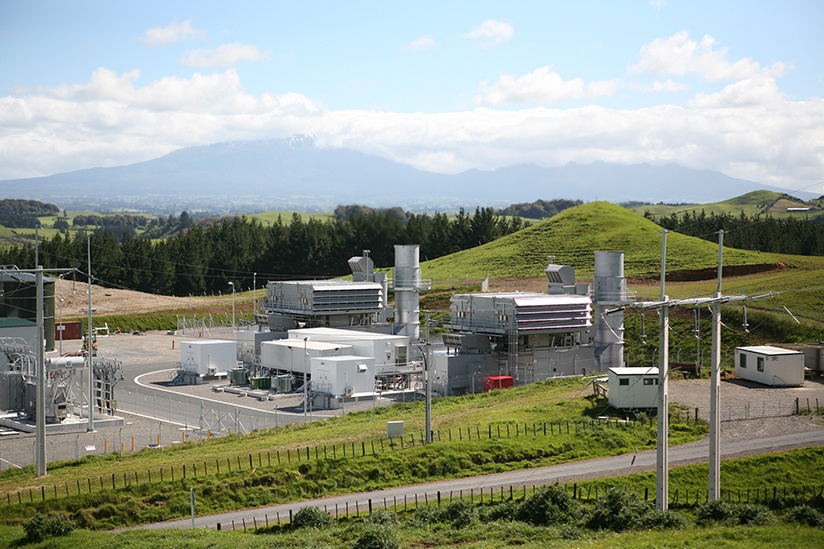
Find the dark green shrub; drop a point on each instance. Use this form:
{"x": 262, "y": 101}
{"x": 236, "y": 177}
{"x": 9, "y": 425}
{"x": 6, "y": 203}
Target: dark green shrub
{"x": 461, "y": 513}
{"x": 40, "y": 527}
{"x": 755, "y": 515}
{"x": 804, "y": 514}
{"x": 715, "y": 512}
{"x": 378, "y": 536}
{"x": 663, "y": 520}
{"x": 719, "y": 512}
{"x": 427, "y": 515}
{"x": 547, "y": 506}
{"x": 382, "y": 517}
{"x": 312, "y": 517}
{"x": 618, "y": 511}
{"x": 506, "y": 510}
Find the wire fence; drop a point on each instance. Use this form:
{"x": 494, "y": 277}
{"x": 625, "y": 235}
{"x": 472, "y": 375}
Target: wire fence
{"x": 774, "y": 496}
{"x": 196, "y": 413}
{"x": 363, "y": 448}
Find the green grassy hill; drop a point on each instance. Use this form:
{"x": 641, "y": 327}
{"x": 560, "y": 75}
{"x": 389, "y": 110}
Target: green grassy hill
{"x": 575, "y": 234}
{"x": 756, "y": 202}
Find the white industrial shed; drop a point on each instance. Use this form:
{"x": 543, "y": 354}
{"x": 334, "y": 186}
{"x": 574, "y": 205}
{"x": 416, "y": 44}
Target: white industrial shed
{"x": 343, "y": 376}
{"x": 390, "y": 352}
{"x": 208, "y": 357}
{"x": 633, "y": 387}
{"x": 294, "y": 355}
{"x": 770, "y": 365}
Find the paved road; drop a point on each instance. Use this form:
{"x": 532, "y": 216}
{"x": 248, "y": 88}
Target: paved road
{"x": 603, "y": 467}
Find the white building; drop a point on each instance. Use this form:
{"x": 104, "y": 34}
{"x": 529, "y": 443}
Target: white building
{"x": 391, "y": 353}
{"x": 343, "y": 376}
{"x": 294, "y": 355}
{"x": 634, "y": 387}
{"x": 770, "y": 365}
{"x": 208, "y": 357}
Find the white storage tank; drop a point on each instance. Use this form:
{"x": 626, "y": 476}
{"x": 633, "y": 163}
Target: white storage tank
{"x": 208, "y": 357}
{"x": 770, "y": 365}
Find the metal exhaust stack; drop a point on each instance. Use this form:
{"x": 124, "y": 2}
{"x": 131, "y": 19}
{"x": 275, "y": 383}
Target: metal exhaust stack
{"x": 610, "y": 294}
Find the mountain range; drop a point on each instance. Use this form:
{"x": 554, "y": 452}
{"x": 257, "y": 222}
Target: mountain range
{"x": 296, "y": 174}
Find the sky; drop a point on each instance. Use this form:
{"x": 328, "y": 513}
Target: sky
{"x": 445, "y": 86}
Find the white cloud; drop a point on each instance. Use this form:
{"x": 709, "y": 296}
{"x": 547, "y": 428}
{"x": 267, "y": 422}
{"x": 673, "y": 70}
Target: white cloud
{"x": 542, "y": 86}
{"x": 175, "y": 32}
{"x": 225, "y": 55}
{"x": 660, "y": 86}
{"x": 492, "y": 33}
{"x": 421, "y": 44}
{"x": 748, "y": 129}
{"x": 603, "y": 88}
{"x": 678, "y": 55}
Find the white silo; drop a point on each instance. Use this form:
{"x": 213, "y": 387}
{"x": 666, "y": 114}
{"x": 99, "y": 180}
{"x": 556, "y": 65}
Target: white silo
{"x": 610, "y": 294}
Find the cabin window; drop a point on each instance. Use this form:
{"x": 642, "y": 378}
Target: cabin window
{"x": 623, "y": 381}
{"x": 742, "y": 360}
{"x": 650, "y": 381}
{"x": 760, "y": 364}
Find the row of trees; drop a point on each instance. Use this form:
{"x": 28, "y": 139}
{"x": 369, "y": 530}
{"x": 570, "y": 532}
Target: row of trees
{"x": 16, "y": 213}
{"x": 203, "y": 259}
{"x": 763, "y": 233}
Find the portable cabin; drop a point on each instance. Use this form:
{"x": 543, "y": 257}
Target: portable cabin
{"x": 633, "y": 387}
{"x": 773, "y": 366}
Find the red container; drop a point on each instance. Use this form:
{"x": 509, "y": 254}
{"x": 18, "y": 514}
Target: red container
{"x": 497, "y": 382}
{"x": 71, "y": 330}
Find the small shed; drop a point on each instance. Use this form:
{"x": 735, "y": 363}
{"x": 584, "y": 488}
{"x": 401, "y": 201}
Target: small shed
{"x": 773, "y": 366}
{"x": 633, "y": 387}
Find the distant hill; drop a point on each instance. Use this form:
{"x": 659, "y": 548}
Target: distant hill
{"x": 295, "y": 174}
{"x": 575, "y": 234}
{"x": 777, "y": 204}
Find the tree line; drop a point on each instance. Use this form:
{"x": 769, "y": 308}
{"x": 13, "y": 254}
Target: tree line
{"x": 764, "y": 233}
{"x": 15, "y": 213}
{"x": 202, "y": 258}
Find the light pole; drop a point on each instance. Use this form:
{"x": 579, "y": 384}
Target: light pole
{"x": 62, "y": 327}
{"x": 305, "y": 378}
{"x": 254, "y": 294}
{"x": 232, "y": 284}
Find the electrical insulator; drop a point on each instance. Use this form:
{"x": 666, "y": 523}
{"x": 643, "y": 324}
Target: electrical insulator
{"x": 643, "y": 332}
{"x": 696, "y": 326}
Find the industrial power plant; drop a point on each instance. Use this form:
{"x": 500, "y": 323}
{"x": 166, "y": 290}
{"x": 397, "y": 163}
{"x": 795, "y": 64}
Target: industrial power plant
{"x": 338, "y": 340}
{"x": 330, "y": 342}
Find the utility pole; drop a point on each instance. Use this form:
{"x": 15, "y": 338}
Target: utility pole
{"x": 305, "y": 379}
{"x": 428, "y": 367}
{"x": 90, "y": 341}
{"x": 662, "y": 450}
{"x": 41, "y": 381}
{"x": 715, "y": 383}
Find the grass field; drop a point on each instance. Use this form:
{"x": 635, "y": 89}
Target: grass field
{"x": 493, "y": 524}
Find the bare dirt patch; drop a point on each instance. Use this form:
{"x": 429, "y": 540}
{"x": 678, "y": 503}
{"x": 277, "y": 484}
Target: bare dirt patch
{"x": 73, "y": 298}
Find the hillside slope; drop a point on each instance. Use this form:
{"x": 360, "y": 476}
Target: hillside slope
{"x": 752, "y": 203}
{"x": 575, "y": 234}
